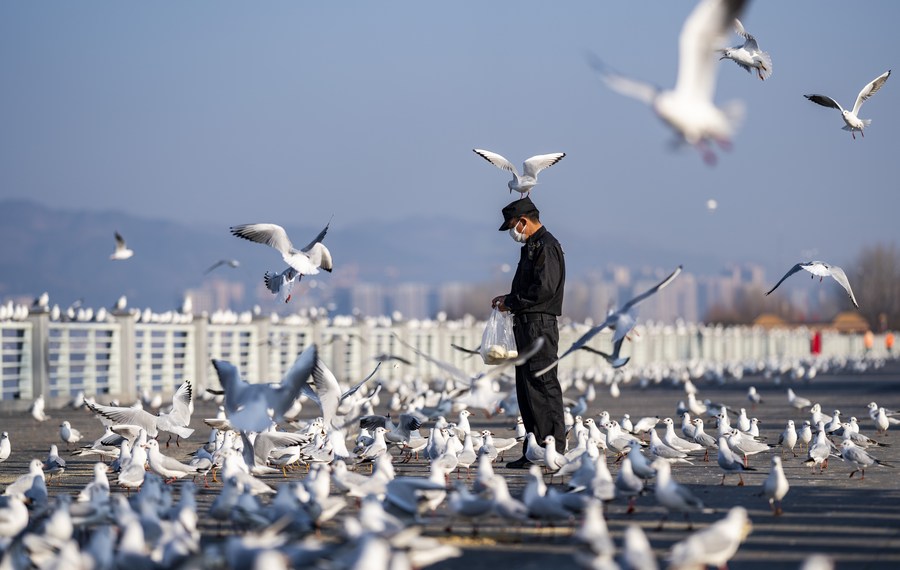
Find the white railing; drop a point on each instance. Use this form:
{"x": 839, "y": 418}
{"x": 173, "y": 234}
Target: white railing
{"x": 15, "y": 361}
{"x": 123, "y": 357}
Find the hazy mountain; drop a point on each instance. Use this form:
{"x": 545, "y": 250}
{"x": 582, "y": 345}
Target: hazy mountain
{"x": 67, "y": 253}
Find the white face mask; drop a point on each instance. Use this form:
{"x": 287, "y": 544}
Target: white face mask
{"x": 517, "y": 236}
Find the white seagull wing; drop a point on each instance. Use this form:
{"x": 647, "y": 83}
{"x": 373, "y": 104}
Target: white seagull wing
{"x": 497, "y": 160}
{"x": 271, "y": 235}
{"x": 739, "y": 29}
{"x": 652, "y": 290}
{"x": 623, "y": 85}
{"x": 328, "y": 390}
{"x": 320, "y": 256}
{"x": 841, "y": 278}
{"x": 537, "y": 163}
{"x": 703, "y": 32}
{"x": 870, "y": 89}
{"x": 582, "y": 340}
{"x": 181, "y": 403}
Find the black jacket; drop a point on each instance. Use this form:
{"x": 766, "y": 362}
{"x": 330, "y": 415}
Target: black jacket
{"x": 540, "y": 276}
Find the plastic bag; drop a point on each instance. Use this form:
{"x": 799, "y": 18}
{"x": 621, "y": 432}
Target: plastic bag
{"x": 498, "y": 343}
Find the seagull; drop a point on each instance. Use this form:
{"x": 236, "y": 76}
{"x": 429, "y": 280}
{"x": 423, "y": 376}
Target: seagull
{"x": 796, "y": 401}
{"x": 282, "y": 282}
{"x": 622, "y": 320}
{"x": 856, "y": 456}
{"x": 522, "y": 184}
{"x": 167, "y": 467}
{"x": 822, "y": 270}
{"x": 853, "y": 123}
{"x": 674, "y": 496}
{"x": 688, "y": 108}
{"x": 628, "y": 484}
{"x": 5, "y": 448}
{"x": 13, "y": 516}
{"x": 776, "y": 486}
{"x": 748, "y": 55}
{"x": 54, "y": 464}
{"x": 69, "y": 434}
{"x": 306, "y": 261}
{"x": 249, "y": 406}
{"x": 233, "y": 263}
{"x": 715, "y": 545}
{"x": 23, "y": 483}
{"x": 122, "y": 251}
{"x": 730, "y": 462}
{"x": 788, "y": 438}
{"x": 174, "y": 422}
{"x": 323, "y": 389}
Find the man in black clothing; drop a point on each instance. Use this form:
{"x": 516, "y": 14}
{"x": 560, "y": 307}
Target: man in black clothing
{"x": 535, "y": 300}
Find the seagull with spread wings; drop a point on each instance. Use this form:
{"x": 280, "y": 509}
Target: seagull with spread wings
{"x": 821, "y": 270}
{"x": 323, "y": 389}
{"x": 530, "y": 169}
{"x": 253, "y": 407}
{"x": 306, "y": 261}
{"x": 748, "y": 55}
{"x": 622, "y": 321}
{"x": 233, "y": 263}
{"x": 853, "y": 122}
{"x": 688, "y": 108}
{"x": 174, "y": 421}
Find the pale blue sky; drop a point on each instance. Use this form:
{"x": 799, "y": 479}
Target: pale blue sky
{"x": 226, "y": 113}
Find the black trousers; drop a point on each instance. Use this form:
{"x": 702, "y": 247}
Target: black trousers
{"x": 540, "y": 397}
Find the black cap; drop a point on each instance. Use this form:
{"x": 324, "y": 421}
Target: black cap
{"x": 516, "y": 209}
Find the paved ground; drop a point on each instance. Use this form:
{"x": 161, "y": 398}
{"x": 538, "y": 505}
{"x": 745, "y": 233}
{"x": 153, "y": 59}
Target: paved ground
{"x": 855, "y": 521}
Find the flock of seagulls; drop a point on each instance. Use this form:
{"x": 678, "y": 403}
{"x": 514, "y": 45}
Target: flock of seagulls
{"x": 353, "y": 475}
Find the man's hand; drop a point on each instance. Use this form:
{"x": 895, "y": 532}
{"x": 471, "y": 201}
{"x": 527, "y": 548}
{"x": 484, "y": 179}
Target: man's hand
{"x": 498, "y": 303}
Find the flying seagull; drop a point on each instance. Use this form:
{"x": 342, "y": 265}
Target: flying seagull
{"x": 622, "y": 321}
{"x": 253, "y": 407}
{"x": 233, "y": 263}
{"x": 822, "y": 270}
{"x": 122, "y": 251}
{"x": 530, "y": 169}
{"x": 854, "y": 123}
{"x": 748, "y": 55}
{"x": 306, "y": 261}
{"x": 688, "y": 108}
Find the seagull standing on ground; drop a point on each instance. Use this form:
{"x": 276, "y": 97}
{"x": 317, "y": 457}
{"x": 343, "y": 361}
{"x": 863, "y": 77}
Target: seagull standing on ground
{"x": 822, "y": 270}
{"x": 530, "y": 169}
{"x": 122, "y": 251}
{"x": 689, "y": 107}
{"x": 853, "y": 123}
{"x": 796, "y": 401}
{"x": 748, "y": 55}
{"x": 776, "y": 486}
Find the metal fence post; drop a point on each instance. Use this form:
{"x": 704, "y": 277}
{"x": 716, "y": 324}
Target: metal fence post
{"x": 127, "y": 355}
{"x": 40, "y": 353}
{"x": 201, "y": 354}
